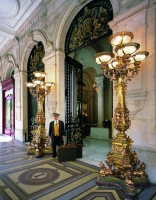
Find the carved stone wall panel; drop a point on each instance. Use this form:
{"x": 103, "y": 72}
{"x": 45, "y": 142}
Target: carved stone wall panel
{"x": 127, "y": 4}
{"x": 130, "y": 20}
{"x": 51, "y": 107}
{"x": 50, "y": 69}
{"x": 50, "y": 27}
{"x": 34, "y": 25}
{"x": 132, "y": 23}
{"x": 139, "y": 82}
{"x": 135, "y": 101}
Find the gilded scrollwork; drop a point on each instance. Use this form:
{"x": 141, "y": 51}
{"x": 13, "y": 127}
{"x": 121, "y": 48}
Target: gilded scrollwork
{"x": 121, "y": 121}
{"x": 75, "y": 130}
{"x": 93, "y": 24}
{"x": 129, "y": 174}
{"x": 36, "y": 57}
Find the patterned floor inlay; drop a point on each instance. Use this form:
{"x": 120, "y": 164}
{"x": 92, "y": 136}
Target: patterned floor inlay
{"x": 38, "y": 176}
{"x": 24, "y": 177}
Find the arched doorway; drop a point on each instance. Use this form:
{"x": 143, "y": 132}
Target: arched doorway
{"x": 35, "y": 63}
{"x": 87, "y": 36}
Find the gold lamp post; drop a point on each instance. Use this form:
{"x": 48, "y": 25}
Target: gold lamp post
{"x": 39, "y": 89}
{"x": 124, "y": 168}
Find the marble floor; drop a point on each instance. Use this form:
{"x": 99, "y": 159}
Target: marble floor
{"x": 95, "y": 150}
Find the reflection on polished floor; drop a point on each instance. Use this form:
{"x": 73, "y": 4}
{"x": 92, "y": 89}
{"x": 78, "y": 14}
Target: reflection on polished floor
{"x": 95, "y": 150}
{"x": 15, "y": 163}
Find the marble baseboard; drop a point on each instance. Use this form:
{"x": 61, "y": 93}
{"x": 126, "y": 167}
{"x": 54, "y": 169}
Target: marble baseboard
{"x": 148, "y": 157}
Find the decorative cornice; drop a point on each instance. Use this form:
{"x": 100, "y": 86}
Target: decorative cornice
{"x": 34, "y": 24}
{"x": 128, "y": 13}
{"x": 136, "y": 93}
{"x": 127, "y": 4}
{"x": 99, "y": 81}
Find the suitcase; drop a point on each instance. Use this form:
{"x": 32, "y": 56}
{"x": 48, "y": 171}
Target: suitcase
{"x": 78, "y": 150}
{"x": 66, "y": 153}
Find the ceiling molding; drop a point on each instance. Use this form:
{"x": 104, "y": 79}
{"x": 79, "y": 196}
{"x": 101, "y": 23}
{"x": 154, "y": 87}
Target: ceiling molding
{"x": 10, "y": 9}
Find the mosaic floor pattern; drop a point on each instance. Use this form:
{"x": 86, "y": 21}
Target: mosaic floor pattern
{"x": 24, "y": 177}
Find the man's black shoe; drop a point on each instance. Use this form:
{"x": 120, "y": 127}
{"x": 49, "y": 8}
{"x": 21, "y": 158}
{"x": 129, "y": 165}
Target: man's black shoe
{"x": 54, "y": 155}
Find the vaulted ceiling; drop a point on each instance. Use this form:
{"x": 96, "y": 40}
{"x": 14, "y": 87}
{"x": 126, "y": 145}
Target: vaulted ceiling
{"x": 13, "y": 13}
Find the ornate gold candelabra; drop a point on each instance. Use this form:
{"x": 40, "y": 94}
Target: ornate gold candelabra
{"x": 124, "y": 169}
{"x": 39, "y": 89}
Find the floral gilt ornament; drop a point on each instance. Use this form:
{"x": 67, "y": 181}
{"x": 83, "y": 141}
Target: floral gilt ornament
{"x": 125, "y": 171}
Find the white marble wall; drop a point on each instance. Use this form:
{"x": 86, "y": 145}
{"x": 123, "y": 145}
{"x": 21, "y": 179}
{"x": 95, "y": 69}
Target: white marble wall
{"x": 1, "y": 108}
{"x": 55, "y": 101}
{"x": 50, "y": 100}
{"x": 147, "y": 155}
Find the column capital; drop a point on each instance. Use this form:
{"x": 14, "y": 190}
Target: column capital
{"x": 99, "y": 81}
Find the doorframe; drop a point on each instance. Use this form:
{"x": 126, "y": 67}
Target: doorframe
{"x": 8, "y": 84}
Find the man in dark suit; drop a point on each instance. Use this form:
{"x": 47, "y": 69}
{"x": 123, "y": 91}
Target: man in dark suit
{"x": 56, "y": 132}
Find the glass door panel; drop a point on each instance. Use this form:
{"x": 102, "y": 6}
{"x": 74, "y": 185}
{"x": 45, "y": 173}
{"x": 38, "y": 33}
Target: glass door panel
{"x": 8, "y": 111}
{"x": 9, "y": 116}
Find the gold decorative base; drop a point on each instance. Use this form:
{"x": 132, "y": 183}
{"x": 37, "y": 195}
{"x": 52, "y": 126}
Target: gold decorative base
{"x": 123, "y": 164}
{"x": 40, "y": 143}
{"x": 39, "y": 154}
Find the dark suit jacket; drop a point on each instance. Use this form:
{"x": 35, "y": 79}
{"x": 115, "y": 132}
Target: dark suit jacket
{"x": 61, "y": 131}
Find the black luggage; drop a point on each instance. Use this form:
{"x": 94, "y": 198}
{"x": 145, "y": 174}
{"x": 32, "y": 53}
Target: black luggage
{"x": 78, "y": 150}
{"x": 66, "y": 153}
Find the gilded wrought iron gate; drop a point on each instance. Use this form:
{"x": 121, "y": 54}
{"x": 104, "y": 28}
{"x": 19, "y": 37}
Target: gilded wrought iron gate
{"x": 73, "y": 97}
{"x": 89, "y": 25}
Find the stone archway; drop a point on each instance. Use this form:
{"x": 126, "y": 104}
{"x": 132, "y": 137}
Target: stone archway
{"x": 88, "y": 29}
{"x": 20, "y": 76}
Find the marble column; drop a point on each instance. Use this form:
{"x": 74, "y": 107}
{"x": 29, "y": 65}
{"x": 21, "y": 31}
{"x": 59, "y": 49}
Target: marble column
{"x": 55, "y": 101}
{"x": 21, "y": 109}
{"x": 1, "y": 108}
{"x": 99, "y": 83}
{"x": 90, "y": 108}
